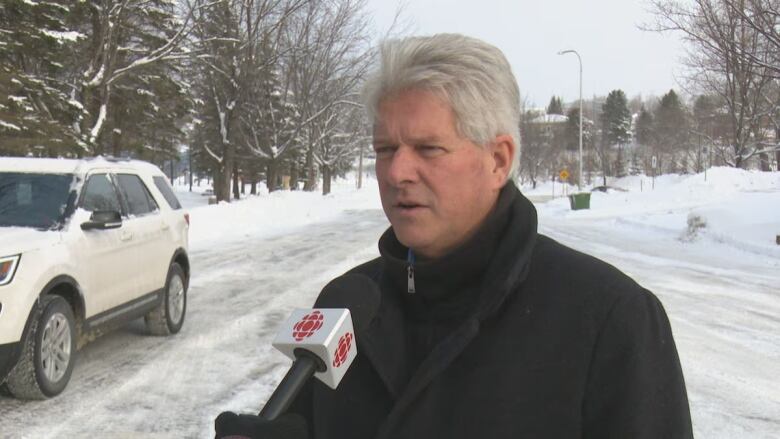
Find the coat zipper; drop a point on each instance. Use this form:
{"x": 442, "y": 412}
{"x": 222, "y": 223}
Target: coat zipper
{"x": 410, "y": 272}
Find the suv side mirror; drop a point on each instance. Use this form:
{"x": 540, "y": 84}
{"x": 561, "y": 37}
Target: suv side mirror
{"x": 103, "y": 220}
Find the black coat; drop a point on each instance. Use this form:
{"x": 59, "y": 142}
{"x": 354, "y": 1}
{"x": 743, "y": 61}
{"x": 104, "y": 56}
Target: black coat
{"x": 521, "y": 337}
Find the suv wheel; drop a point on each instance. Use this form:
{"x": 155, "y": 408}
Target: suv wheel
{"x": 168, "y": 317}
{"x": 49, "y": 350}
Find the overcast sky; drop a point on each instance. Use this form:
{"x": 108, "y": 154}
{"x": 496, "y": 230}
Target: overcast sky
{"x": 615, "y": 53}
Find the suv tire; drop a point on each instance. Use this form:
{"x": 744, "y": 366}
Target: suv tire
{"x": 168, "y": 317}
{"x": 48, "y": 352}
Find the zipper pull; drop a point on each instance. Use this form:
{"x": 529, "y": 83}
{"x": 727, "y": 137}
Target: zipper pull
{"x": 410, "y": 272}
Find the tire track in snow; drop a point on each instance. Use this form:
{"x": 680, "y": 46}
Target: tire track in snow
{"x": 128, "y": 384}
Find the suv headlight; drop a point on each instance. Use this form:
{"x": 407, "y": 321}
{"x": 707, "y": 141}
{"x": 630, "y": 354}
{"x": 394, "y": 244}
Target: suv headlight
{"x": 8, "y": 268}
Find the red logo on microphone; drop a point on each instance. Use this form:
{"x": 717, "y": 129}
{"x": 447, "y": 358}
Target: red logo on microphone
{"x": 345, "y": 342}
{"x": 308, "y": 325}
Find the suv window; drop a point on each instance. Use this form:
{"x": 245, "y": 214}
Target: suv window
{"x": 167, "y": 192}
{"x": 139, "y": 200}
{"x": 100, "y": 194}
{"x": 34, "y": 200}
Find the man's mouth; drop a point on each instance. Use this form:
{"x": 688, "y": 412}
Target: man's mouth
{"x": 408, "y": 205}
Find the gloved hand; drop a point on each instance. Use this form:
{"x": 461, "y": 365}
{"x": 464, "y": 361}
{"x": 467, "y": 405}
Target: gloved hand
{"x": 286, "y": 426}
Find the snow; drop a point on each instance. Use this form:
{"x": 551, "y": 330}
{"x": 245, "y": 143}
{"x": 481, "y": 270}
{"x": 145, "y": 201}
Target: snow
{"x": 95, "y": 81}
{"x": 256, "y": 259}
{"x": 550, "y": 118}
{"x": 71, "y": 166}
{"x": 9, "y": 125}
{"x": 740, "y": 208}
{"x": 99, "y": 123}
{"x": 271, "y": 214}
{"x": 63, "y": 36}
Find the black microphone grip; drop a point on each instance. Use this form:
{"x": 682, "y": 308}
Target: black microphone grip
{"x": 304, "y": 366}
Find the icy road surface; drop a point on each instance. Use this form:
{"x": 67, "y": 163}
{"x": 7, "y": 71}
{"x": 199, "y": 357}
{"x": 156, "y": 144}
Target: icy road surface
{"x": 723, "y": 305}
{"x": 130, "y": 385}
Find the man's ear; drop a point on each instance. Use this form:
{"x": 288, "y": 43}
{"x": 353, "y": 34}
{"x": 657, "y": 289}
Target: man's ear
{"x": 502, "y": 150}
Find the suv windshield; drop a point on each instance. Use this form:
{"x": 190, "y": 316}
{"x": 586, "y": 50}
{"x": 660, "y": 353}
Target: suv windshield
{"x": 41, "y": 201}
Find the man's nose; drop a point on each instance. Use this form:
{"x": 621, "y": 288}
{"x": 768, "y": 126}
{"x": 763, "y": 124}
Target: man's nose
{"x": 403, "y": 167}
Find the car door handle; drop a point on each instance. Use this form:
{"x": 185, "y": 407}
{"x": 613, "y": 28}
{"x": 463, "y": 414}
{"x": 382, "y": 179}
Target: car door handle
{"x": 126, "y": 236}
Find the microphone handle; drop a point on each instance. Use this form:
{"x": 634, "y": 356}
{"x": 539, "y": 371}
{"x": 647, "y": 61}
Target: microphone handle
{"x": 301, "y": 370}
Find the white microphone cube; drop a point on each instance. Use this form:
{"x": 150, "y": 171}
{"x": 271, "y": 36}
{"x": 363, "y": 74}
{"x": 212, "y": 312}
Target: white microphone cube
{"x": 327, "y": 333}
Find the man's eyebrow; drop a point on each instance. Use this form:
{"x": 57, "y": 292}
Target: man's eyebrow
{"x": 423, "y": 140}
{"x": 381, "y": 141}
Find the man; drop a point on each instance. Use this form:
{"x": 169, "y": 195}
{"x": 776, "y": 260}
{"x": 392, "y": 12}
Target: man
{"x": 486, "y": 328}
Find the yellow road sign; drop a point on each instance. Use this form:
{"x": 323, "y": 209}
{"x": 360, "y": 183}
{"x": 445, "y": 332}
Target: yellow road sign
{"x": 564, "y": 174}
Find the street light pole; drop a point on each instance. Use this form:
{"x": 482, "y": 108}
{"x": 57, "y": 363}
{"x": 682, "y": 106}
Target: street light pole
{"x": 579, "y": 175}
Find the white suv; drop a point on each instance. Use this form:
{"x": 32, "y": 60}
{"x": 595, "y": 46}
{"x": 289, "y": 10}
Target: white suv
{"x": 85, "y": 245}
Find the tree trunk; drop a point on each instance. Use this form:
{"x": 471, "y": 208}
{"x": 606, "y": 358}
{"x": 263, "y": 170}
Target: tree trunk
{"x": 619, "y": 171}
{"x": 253, "y": 189}
{"x": 763, "y": 159}
{"x": 116, "y": 143}
{"x": 777, "y": 151}
{"x": 294, "y": 176}
{"x": 222, "y": 190}
{"x": 270, "y": 176}
{"x": 325, "y": 180}
{"x": 311, "y": 176}
{"x": 217, "y": 184}
{"x": 236, "y": 189}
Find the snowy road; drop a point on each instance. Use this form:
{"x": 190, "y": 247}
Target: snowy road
{"x": 127, "y": 384}
{"x": 723, "y": 305}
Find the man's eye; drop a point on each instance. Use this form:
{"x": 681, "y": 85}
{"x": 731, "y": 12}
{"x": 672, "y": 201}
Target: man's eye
{"x": 430, "y": 150}
{"x": 383, "y": 152}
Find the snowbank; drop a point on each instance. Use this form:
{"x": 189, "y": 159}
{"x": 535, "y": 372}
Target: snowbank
{"x": 737, "y": 207}
{"x": 270, "y": 214}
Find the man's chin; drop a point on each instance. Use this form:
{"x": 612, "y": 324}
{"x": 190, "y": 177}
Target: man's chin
{"x": 414, "y": 239}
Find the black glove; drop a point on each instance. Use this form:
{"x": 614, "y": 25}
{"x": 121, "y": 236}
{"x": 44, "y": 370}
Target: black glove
{"x": 286, "y": 426}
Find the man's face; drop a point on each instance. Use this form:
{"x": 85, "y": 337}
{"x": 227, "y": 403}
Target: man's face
{"x": 436, "y": 186}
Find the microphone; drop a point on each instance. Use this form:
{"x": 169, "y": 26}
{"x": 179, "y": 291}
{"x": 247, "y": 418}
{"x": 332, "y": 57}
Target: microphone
{"x": 321, "y": 341}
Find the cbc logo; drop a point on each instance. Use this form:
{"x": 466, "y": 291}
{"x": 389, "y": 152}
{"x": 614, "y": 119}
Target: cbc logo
{"x": 308, "y": 325}
{"x": 345, "y": 342}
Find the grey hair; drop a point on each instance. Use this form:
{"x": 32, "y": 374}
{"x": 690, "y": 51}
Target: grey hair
{"x": 472, "y": 76}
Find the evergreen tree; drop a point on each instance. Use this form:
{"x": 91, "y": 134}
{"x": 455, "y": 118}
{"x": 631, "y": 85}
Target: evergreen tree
{"x": 555, "y": 106}
{"x": 671, "y": 131}
{"x": 644, "y": 127}
{"x": 616, "y": 119}
{"x": 616, "y": 132}
{"x": 573, "y": 131}
{"x": 36, "y": 112}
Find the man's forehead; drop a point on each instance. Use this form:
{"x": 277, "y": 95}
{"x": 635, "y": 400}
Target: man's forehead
{"x": 414, "y": 115}
{"x": 412, "y": 133}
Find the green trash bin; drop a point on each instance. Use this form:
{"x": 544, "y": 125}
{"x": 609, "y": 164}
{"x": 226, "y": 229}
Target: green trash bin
{"x": 580, "y": 201}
